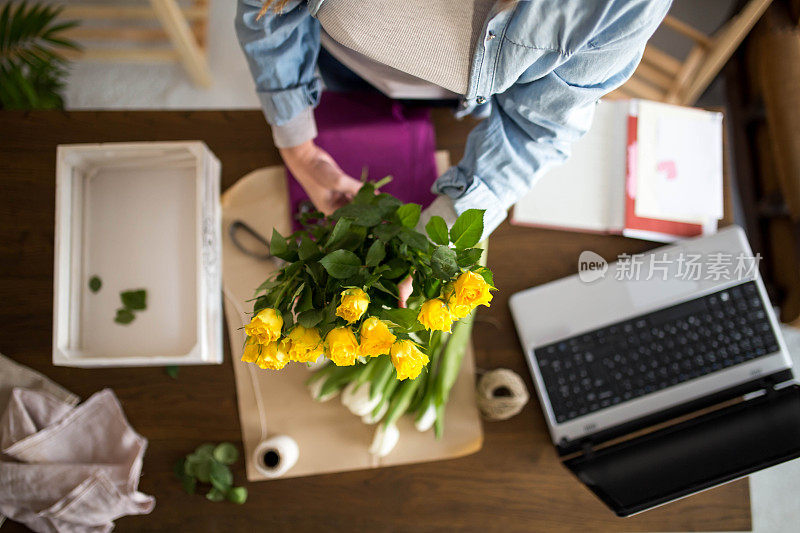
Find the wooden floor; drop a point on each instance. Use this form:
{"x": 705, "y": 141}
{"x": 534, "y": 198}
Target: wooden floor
{"x": 515, "y": 483}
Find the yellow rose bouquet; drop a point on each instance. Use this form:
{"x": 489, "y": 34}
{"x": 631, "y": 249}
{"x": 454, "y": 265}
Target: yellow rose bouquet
{"x": 334, "y": 306}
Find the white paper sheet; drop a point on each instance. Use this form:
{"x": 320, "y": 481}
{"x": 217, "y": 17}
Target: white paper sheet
{"x": 680, "y": 163}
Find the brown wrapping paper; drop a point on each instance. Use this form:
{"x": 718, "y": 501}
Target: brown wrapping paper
{"x": 329, "y": 437}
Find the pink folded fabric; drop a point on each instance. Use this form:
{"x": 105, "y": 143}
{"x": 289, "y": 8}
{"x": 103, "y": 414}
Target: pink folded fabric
{"x": 72, "y": 469}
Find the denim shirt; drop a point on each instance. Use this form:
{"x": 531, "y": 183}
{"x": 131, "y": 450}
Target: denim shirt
{"x": 541, "y": 65}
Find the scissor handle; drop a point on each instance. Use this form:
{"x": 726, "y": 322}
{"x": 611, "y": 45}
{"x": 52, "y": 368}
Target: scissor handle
{"x": 237, "y": 225}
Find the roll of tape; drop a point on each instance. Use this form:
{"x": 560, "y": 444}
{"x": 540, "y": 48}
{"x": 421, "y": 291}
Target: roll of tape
{"x": 275, "y": 456}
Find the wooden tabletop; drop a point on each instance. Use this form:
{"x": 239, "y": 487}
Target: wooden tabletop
{"x": 514, "y": 483}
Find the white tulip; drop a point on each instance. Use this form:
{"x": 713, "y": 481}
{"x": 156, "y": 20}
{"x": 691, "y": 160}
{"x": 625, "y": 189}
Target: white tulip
{"x": 370, "y": 419}
{"x": 385, "y": 440}
{"x": 357, "y": 398}
{"x": 427, "y": 419}
{"x": 316, "y": 388}
{"x": 316, "y": 365}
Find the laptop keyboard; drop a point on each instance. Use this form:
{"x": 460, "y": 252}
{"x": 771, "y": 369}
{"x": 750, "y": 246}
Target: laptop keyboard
{"x": 626, "y": 360}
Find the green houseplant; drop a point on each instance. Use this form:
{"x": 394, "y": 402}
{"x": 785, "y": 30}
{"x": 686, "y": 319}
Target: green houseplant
{"x": 32, "y": 64}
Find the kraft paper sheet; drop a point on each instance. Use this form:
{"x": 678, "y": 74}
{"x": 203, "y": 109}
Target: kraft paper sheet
{"x": 330, "y": 438}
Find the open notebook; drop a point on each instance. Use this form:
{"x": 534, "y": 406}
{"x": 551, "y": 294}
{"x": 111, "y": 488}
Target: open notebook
{"x": 645, "y": 169}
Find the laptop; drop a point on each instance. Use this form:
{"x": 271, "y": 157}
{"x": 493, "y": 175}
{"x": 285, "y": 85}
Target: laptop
{"x": 662, "y": 374}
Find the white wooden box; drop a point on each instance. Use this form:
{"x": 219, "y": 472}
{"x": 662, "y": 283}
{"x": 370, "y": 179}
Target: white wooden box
{"x": 139, "y": 216}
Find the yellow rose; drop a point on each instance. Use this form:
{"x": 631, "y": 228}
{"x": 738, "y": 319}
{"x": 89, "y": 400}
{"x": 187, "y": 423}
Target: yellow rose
{"x": 407, "y": 359}
{"x": 468, "y": 292}
{"x": 435, "y": 315}
{"x": 342, "y": 346}
{"x": 376, "y": 339}
{"x": 251, "y": 349}
{"x": 306, "y": 345}
{"x": 273, "y": 356}
{"x": 265, "y": 327}
{"x": 353, "y": 305}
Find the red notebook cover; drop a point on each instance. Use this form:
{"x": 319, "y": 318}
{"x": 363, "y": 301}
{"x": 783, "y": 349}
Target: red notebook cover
{"x": 636, "y": 223}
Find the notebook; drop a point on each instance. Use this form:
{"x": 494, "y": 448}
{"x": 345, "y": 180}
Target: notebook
{"x": 645, "y": 169}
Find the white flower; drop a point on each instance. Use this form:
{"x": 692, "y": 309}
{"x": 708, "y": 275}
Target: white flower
{"x": 316, "y": 365}
{"x": 316, "y": 388}
{"x": 385, "y": 440}
{"x": 356, "y": 397}
{"x": 424, "y": 422}
{"x": 369, "y": 418}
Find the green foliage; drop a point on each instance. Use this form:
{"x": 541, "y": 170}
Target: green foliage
{"x": 135, "y": 300}
{"x": 95, "y": 283}
{"x": 208, "y": 464}
{"x": 124, "y": 316}
{"x": 31, "y": 62}
{"x": 467, "y": 229}
{"x": 372, "y": 244}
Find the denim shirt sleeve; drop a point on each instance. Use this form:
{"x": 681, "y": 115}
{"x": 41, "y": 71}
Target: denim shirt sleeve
{"x": 281, "y": 50}
{"x": 533, "y": 123}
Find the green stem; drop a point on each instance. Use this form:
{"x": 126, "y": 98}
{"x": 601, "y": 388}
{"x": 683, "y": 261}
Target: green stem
{"x": 381, "y": 376}
{"x": 400, "y": 400}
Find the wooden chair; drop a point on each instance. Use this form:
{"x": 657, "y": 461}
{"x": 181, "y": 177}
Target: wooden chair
{"x": 146, "y": 31}
{"x": 663, "y": 77}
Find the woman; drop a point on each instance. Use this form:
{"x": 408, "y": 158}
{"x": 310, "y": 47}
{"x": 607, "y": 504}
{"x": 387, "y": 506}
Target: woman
{"x": 535, "y": 68}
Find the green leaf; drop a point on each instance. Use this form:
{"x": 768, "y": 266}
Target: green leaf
{"x": 404, "y": 318}
{"x": 467, "y": 229}
{"x": 386, "y": 232}
{"x": 437, "y": 230}
{"x": 443, "y": 263}
{"x": 124, "y": 316}
{"x": 226, "y": 453}
{"x": 365, "y": 194}
{"x": 202, "y": 469}
{"x": 306, "y": 300}
{"x": 487, "y": 275}
{"x": 397, "y": 268}
{"x": 308, "y": 248}
{"x": 414, "y": 239}
{"x": 134, "y": 300}
{"x": 215, "y": 495}
{"x": 310, "y": 318}
{"x": 279, "y": 247}
{"x": 172, "y": 371}
{"x": 361, "y": 214}
{"x": 237, "y": 495}
{"x": 95, "y": 283}
{"x": 341, "y": 264}
{"x": 408, "y": 215}
{"x": 376, "y": 253}
{"x": 469, "y": 256}
{"x": 339, "y": 231}
{"x": 204, "y": 451}
{"x": 189, "y": 484}
{"x": 220, "y": 476}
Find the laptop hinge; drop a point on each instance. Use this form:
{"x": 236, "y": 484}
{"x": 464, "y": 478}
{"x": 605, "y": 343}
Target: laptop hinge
{"x": 744, "y": 392}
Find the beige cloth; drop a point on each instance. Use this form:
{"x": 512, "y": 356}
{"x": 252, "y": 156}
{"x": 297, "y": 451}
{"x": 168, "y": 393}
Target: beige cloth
{"x": 65, "y": 468}
{"x": 271, "y": 403}
{"x": 16, "y": 375}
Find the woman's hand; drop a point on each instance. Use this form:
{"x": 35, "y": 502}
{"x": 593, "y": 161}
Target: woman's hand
{"x": 325, "y": 183}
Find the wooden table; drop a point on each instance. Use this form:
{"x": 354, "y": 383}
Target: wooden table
{"x": 514, "y": 483}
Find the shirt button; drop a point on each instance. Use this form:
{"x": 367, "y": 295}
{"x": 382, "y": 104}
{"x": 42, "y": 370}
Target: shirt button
{"x": 480, "y": 100}
{"x": 490, "y": 36}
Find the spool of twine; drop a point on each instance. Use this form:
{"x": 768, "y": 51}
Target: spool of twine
{"x": 501, "y": 394}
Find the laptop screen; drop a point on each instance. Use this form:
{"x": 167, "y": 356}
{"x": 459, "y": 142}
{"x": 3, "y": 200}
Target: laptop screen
{"x": 702, "y": 452}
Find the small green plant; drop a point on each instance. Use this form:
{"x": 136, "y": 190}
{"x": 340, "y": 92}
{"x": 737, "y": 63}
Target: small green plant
{"x": 32, "y": 66}
{"x": 209, "y": 464}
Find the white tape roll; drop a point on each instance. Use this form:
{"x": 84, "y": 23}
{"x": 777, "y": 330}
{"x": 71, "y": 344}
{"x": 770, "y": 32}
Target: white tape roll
{"x": 275, "y": 456}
